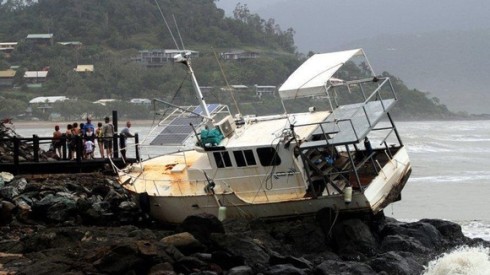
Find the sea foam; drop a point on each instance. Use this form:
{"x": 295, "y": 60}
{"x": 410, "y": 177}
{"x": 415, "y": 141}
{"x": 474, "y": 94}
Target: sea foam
{"x": 461, "y": 261}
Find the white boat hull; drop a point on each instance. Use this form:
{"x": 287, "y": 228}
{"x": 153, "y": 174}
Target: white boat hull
{"x": 384, "y": 189}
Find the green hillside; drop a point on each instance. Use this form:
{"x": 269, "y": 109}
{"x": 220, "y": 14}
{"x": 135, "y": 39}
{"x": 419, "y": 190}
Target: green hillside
{"x": 114, "y": 31}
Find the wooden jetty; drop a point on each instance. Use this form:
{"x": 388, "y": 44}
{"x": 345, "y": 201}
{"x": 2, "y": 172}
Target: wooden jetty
{"x": 42, "y": 165}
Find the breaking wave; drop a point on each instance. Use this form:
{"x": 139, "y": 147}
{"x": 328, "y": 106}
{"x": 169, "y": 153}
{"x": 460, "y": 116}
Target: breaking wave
{"x": 462, "y": 261}
{"x": 475, "y": 176}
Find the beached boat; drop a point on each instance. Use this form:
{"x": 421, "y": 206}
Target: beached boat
{"x": 348, "y": 156}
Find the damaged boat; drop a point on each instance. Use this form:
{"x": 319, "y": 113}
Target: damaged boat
{"x": 346, "y": 155}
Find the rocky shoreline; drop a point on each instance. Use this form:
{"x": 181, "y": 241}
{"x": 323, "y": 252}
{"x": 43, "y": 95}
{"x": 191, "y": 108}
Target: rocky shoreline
{"x": 88, "y": 224}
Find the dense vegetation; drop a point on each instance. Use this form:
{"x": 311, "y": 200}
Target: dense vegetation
{"x": 112, "y": 31}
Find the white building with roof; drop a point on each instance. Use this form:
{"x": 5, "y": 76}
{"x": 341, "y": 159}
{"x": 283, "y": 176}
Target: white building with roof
{"x": 104, "y": 101}
{"x": 160, "y": 57}
{"x": 34, "y": 79}
{"x": 235, "y": 88}
{"x": 140, "y": 101}
{"x": 46, "y": 102}
{"x": 261, "y": 90}
{"x": 48, "y": 99}
{"x": 7, "y": 47}
{"x": 41, "y": 38}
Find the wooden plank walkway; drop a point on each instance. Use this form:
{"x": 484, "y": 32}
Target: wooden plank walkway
{"x": 64, "y": 166}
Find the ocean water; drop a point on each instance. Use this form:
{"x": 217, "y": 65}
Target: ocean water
{"x": 450, "y": 180}
{"x": 451, "y": 174}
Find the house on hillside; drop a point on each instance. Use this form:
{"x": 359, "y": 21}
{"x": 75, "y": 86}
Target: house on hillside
{"x": 142, "y": 101}
{"x": 72, "y": 44}
{"x": 84, "y": 69}
{"x": 265, "y": 90}
{"x": 237, "y": 88}
{"x": 159, "y": 57}
{"x": 45, "y": 39}
{"x": 239, "y": 55}
{"x": 7, "y": 78}
{"x": 7, "y": 47}
{"x": 206, "y": 89}
{"x": 35, "y": 79}
{"x": 104, "y": 101}
{"x": 46, "y": 102}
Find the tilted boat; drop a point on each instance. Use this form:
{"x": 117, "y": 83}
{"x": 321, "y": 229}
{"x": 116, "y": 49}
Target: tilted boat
{"x": 348, "y": 157}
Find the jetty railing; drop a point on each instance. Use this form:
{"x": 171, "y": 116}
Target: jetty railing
{"x": 35, "y": 154}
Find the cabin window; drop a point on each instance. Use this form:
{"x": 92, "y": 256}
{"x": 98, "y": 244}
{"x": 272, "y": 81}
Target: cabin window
{"x": 244, "y": 158}
{"x": 222, "y": 159}
{"x": 268, "y": 156}
{"x": 249, "y": 157}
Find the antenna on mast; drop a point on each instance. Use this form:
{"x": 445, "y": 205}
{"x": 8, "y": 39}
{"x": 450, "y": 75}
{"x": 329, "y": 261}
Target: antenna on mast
{"x": 178, "y": 32}
{"x": 184, "y": 58}
{"x": 168, "y": 27}
{"x": 227, "y": 84}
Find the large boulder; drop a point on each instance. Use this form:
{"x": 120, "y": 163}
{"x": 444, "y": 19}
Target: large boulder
{"x": 424, "y": 233}
{"x": 396, "y": 263}
{"x": 238, "y": 245}
{"x": 354, "y": 235}
{"x": 403, "y": 243}
{"x": 343, "y": 267}
{"x": 285, "y": 269}
{"x": 6, "y": 209}
{"x": 121, "y": 259}
{"x": 451, "y": 231}
{"x": 185, "y": 242}
{"x": 201, "y": 226}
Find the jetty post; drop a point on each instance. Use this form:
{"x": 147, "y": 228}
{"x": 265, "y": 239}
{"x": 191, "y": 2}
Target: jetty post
{"x": 35, "y": 144}
{"x": 115, "y": 138}
{"x": 136, "y": 147}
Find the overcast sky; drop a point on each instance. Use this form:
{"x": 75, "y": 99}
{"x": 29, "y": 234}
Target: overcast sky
{"x": 323, "y": 25}
{"x": 331, "y": 25}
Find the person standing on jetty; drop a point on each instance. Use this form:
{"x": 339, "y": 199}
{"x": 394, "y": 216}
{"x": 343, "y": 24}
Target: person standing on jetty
{"x": 57, "y": 140}
{"x": 125, "y": 133}
{"x": 88, "y": 125}
{"x": 100, "y": 139}
{"x": 88, "y": 131}
{"x": 88, "y": 146}
{"x": 75, "y": 129}
{"x": 108, "y": 134}
{"x": 71, "y": 141}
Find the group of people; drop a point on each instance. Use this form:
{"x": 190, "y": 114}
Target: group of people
{"x": 91, "y": 137}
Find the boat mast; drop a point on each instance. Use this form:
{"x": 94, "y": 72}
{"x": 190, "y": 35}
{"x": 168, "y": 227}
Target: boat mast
{"x": 185, "y": 59}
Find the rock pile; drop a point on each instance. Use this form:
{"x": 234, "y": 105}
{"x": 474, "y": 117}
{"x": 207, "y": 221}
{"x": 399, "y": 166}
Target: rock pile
{"x": 87, "y": 224}
{"x": 26, "y": 150}
{"x": 60, "y": 199}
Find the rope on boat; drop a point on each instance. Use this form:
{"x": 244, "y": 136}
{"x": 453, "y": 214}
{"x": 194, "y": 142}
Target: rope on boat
{"x": 333, "y": 223}
{"x": 242, "y": 212}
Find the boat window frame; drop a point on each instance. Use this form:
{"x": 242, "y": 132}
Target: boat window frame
{"x": 268, "y": 156}
{"x": 222, "y": 159}
{"x": 244, "y": 158}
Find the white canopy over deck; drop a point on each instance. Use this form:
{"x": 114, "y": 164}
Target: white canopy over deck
{"x": 312, "y": 76}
